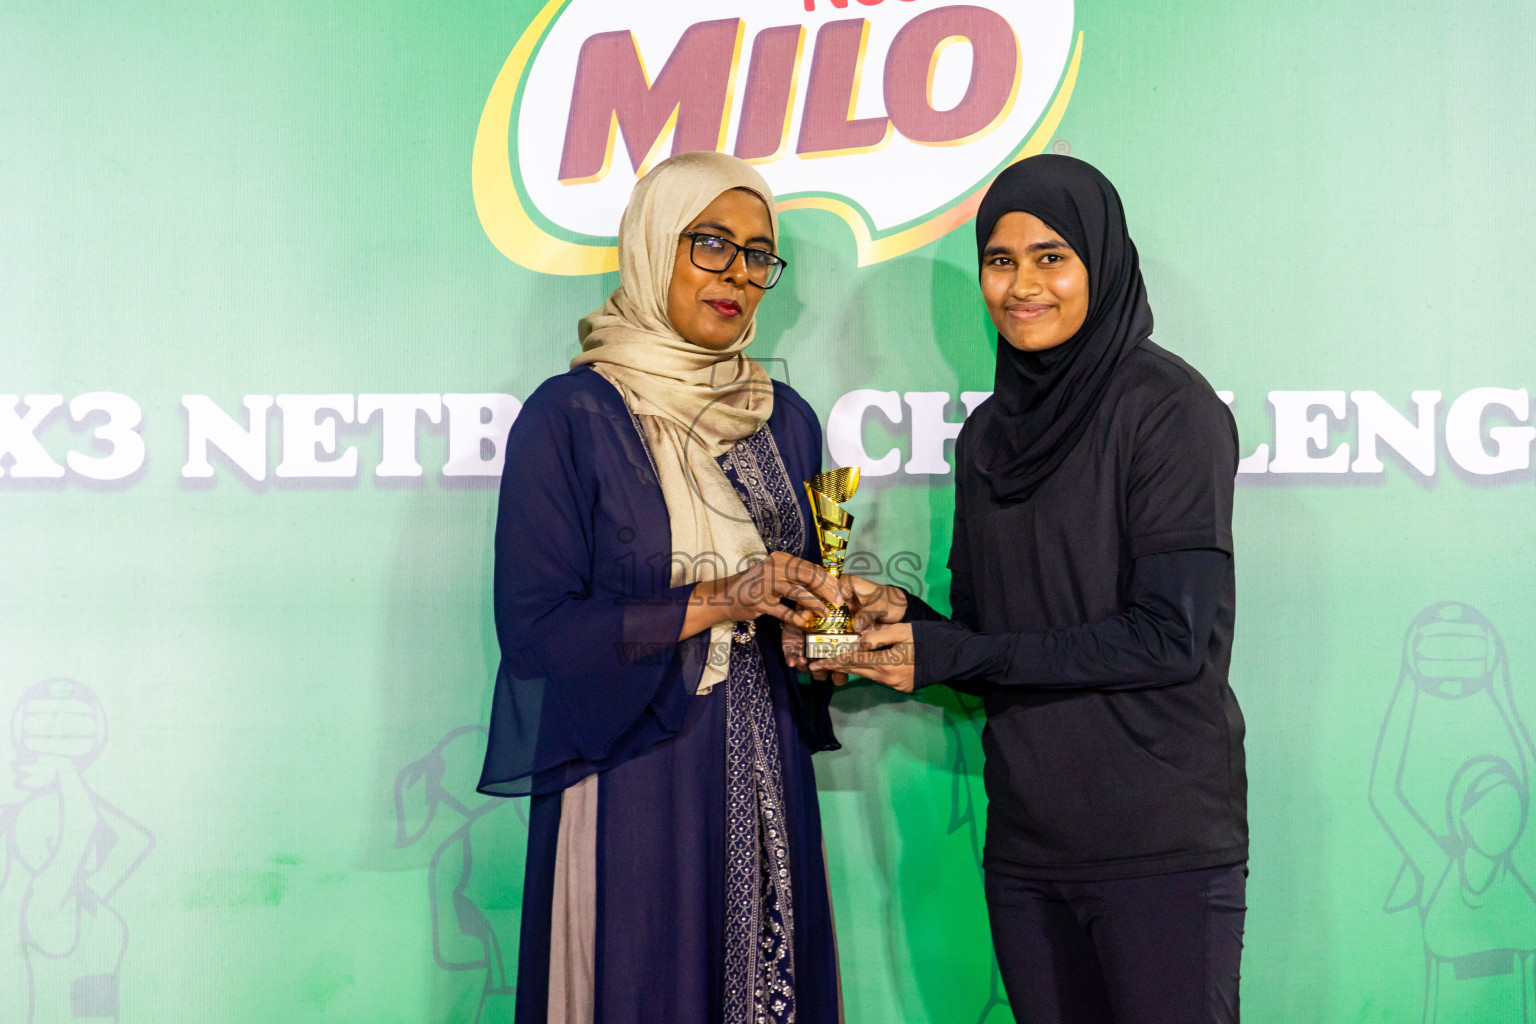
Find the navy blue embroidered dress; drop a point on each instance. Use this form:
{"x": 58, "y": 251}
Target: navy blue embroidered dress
{"x": 711, "y": 892}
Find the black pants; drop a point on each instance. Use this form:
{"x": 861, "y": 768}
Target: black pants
{"x": 1164, "y": 949}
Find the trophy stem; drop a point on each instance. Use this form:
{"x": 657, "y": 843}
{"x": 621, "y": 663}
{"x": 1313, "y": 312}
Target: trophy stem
{"x": 832, "y": 634}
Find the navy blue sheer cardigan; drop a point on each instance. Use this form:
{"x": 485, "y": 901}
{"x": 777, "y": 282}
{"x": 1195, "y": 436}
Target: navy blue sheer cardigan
{"x": 592, "y": 673}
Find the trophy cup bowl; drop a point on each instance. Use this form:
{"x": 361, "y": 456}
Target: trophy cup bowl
{"x": 832, "y": 634}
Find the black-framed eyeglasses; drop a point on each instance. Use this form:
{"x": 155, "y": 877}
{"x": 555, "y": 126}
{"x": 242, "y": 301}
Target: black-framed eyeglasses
{"x": 716, "y": 254}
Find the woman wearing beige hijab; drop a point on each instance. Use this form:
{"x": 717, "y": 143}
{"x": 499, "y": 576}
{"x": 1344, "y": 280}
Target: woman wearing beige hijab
{"x": 651, "y": 538}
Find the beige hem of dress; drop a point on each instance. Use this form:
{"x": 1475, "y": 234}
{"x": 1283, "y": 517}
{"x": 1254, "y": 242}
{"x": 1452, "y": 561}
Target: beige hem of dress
{"x": 573, "y": 918}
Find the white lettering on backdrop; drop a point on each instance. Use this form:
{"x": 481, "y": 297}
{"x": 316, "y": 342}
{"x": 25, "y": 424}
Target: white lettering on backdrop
{"x": 1485, "y": 432}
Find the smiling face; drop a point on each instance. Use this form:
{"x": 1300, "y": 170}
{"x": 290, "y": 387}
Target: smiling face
{"x": 712, "y": 309}
{"x": 1034, "y": 285}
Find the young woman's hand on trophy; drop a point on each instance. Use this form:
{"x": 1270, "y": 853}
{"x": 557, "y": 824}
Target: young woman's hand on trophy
{"x": 884, "y": 651}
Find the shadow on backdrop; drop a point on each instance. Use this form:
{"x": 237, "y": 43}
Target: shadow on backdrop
{"x": 967, "y": 342}
{"x": 439, "y": 807}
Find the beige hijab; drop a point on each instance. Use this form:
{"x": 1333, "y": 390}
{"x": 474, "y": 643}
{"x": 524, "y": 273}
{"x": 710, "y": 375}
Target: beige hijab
{"x": 692, "y": 403}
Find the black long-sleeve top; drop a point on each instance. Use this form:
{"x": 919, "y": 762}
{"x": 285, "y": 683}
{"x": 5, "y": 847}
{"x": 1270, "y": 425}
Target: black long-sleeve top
{"x": 1095, "y": 618}
{"x": 1159, "y": 638}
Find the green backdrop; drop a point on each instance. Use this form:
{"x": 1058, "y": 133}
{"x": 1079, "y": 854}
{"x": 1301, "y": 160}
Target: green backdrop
{"x": 246, "y": 714}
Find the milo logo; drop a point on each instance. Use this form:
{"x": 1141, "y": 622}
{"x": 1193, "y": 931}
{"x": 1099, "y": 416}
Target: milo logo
{"x": 891, "y": 114}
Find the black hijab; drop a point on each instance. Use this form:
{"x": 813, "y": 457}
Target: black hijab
{"x": 1045, "y": 400}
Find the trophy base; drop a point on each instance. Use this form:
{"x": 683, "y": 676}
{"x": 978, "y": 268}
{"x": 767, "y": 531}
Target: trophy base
{"x": 829, "y": 645}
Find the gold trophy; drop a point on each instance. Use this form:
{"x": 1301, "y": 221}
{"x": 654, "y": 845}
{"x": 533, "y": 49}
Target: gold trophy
{"x": 832, "y": 634}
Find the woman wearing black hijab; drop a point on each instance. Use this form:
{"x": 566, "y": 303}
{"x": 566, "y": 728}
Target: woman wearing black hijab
{"x": 1092, "y": 594}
